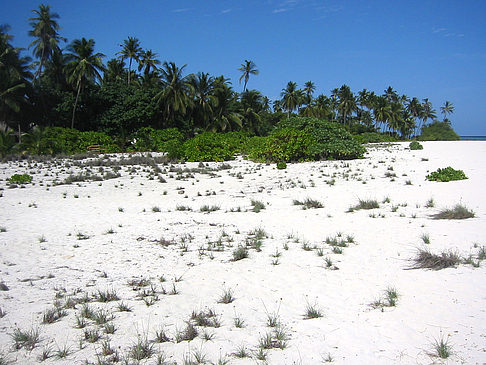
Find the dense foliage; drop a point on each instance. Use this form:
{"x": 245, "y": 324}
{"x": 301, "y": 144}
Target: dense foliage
{"x": 329, "y": 140}
{"x": 20, "y": 179}
{"x": 438, "y": 131}
{"x": 414, "y": 145}
{"x": 374, "y": 137}
{"x": 135, "y": 95}
{"x": 57, "y": 140}
{"x": 211, "y": 146}
{"x": 446, "y": 174}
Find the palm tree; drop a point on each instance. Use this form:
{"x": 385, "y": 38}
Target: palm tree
{"x": 248, "y": 68}
{"x": 381, "y": 111}
{"x": 309, "y": 88}
{"x": 204, "y": 99}
{"x": 346, "y": 103}
{"x": 395, "y": 118}
{"x": 414, "y": 108}
{"x": 115, "y": 70}
{"x": 448, "y": 108}
{"x": 427, "y": 111}
{"x": 226, "y": 115}
{"x": 175, "y": 95}
{"x": 83, "y": 66}
{"x": 148, "y": 61}
{"x": 321, "y": 107}
{"x": 291, "y": 97}
{"x": 130, "y": 49}
{"x": 14, "y": 77}
{"x": 252, "y": 105}
{"x": 45, "y": 30}
{"x": 277, "y": 106}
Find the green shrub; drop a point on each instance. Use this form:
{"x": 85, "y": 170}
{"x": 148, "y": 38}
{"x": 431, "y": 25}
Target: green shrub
{"x": 374, "y": 137}
{"x": 7, "y": 142}
{"x": 209, "y": 146}
{"x": 446, "y": 174}
{"x": 284, "y": 145}
{"x": 438, "y": 131}
{"x": 414, "y": 145}
{"x": 57, "y": 140}
{"x": 20, "y": 179}
{"x": 281, "y": 165}
{"x": 158, "y": 140}
{"x": 330, "y": 140}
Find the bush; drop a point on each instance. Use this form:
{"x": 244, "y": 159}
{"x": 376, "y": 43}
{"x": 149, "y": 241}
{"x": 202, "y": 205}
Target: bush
{"x": 57, "y": 140}
{"x": 373, "y": 137}
{"x": 283, "y": 145}
{"x": 446, "y": 174}
{"x": 20, "y": 179}
{"x": 414, "y": 145}
{"x": 330, "y": 140}
{"x": 209, "y": 146}
{"x": 157, "y": 140}
{"x": 438, "y": 131}
{"x": 7, "y": 142}
{"x": 281, "y": 165}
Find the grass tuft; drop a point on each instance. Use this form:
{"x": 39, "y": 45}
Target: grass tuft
{"x": 458, "y": 212}
{"x": 442, "y": 348}
{"x": 309, "y": 203}
{"x": 27, "y": 339}
{"x": 365, "y": 204}
{"x": 227, "y": 296}
{"x": 424, "y": 259}
{"x": 257, "y": 206}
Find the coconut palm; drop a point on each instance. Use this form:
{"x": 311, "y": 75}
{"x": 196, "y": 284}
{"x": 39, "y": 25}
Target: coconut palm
{"x": 83, "y": 66}
{"x": 395, "y": 117}
{"x": 130, "y": 49}
{"x": 148, "y": 62}
{"x": 174, "y": 98}
{"x": 248, "y": 68}
{"x": 14, "y": 77}
{"x": 321, "y": 107}
{"x": 291, "y": 97}
{"x": 204, "y": 99}
{"x": 226, "y": 115}
{"x": 346, "y": 102}
{"x": 277, "y": 106}
{"x": 414, "y": 108}
{"x": 381, "y": 111}
{"x": 448, "y": 108}
{"x": 309, "y": 88}
{"x": 45, "y": 31}
{"x": 428, "y": 111}
{"x": 252, "y": 104}
{"x": 115, "y": 70}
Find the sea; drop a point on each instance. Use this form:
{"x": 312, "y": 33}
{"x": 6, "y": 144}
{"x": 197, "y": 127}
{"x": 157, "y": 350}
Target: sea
{"x": 473, "y": 138}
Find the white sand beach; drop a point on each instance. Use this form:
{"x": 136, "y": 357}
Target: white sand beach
{"x": 74, "y": 241}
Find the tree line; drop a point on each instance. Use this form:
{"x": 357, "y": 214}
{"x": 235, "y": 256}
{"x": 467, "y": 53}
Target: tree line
{"x": 72, "y": 87}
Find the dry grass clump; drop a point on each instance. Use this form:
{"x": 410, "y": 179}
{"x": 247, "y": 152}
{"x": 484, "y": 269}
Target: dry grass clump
{"x": 424, "y": 259}
{"x": 309, "y": 203}
{"x": 365, "y": 204}
{"x": 458, "y": 212}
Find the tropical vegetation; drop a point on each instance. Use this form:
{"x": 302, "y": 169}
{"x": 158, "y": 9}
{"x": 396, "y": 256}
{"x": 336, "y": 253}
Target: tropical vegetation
{"x": 137, "y": 102}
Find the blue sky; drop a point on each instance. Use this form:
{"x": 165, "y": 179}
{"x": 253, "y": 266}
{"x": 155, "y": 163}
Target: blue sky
{"x": 432, "y": 49}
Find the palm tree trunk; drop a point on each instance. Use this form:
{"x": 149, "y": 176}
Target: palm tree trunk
{"x": 75, "y": 104}
{"x": 129, "y": 69}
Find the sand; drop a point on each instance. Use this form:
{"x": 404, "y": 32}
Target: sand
{"x": 81, "y": 239}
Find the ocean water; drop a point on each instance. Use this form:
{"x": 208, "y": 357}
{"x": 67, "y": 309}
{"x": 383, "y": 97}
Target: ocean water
{"x": 473, "y": 138}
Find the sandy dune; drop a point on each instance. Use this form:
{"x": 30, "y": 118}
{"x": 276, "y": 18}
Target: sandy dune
{"x": 75, "y": 241}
